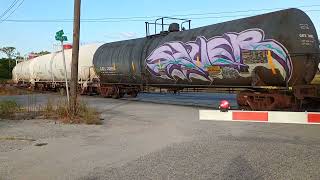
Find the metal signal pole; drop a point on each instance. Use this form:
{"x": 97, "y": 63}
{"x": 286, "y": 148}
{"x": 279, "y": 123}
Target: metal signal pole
{"x": 75, "y": 56}
{"x": 65, "y": 72}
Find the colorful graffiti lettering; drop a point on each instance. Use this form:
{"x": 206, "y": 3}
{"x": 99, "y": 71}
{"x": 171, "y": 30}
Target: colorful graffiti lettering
{"x": 192, "y": 59}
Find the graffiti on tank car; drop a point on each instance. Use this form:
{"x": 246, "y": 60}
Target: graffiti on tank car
{"x": 195, "y": 59}
{"x": 214, "y": 69}
{"x": 254, "y": 57}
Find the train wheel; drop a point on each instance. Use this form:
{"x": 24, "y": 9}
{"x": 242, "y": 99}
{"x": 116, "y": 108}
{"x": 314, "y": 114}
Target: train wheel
{"x": 116, "y": 93}
{"x": 134, "y": 93}
{"x": 115, "y": 96}
{"x": 121, "y": 93}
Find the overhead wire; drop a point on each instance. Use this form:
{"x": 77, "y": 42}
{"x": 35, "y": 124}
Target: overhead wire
{"x": 149, "y": 18}
{"x": 9, "y": 8}
{"x": 210, "y": 17}
{"x": 21, "y": 2}
{"x": 199, "y": 14}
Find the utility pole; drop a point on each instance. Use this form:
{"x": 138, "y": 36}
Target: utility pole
{"x": 75, "y": 56}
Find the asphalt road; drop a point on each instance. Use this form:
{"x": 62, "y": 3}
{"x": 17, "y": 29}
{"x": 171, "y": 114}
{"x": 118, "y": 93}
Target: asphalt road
{"x": 141, "y": 140}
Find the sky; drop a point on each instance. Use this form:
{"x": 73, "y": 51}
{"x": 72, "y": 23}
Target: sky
{"x": 38, "y": 36}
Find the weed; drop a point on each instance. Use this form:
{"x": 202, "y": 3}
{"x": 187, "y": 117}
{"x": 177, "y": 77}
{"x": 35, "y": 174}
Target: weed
{"x": 48, "y": 109}
{"x": 51, "y": 110}
{"x": 88, "y": 114}
{"x": 62, "y": 112}
{"x": 84, "y": 113}
{"x": 8, "y": 109}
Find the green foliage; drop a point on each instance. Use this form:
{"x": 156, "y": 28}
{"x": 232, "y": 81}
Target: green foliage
{"x": 41, "y": 53}
{"x": 9, "y": 51}
{"x": 6, "y": 66}
{"x": 8, "y": 108}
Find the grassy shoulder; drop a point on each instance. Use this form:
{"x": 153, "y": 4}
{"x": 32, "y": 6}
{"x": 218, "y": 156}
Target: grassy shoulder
{"x": 84, "y": 113}
{"x": 51, "y": 110}
{"x": 8, "y": 109}
{"x": 6, "y": 90}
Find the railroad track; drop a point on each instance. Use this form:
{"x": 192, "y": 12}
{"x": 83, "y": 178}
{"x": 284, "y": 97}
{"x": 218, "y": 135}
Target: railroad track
{"x": 207, "y": 100}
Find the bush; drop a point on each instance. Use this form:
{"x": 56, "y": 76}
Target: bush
{"x": 88, "y": 114}
{"x": 62, "y": 111}
{"x": 8, "y": 109}
{"x": 5, "y": 71}
{"x": 84, "y": 114}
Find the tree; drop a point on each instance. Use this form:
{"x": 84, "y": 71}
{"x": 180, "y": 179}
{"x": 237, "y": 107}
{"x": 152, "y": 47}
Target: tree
{"x": 5, "y": 69}
{"x": 18, "y": 56}
{"x": 9, "y": 51}
{"x": 41, "y": 53}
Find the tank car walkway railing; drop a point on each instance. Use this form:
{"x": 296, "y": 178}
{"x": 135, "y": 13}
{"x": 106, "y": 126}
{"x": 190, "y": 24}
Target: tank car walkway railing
{"x": 163, "y": 24}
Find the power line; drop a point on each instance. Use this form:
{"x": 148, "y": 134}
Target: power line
{"x": 212, "y": 17}
{"x": 133, "y": 20}
{"x": 244, "y": 11}
{"x": 199, "y": 14}
{"x": 13, "y": 11}
{"x": 9, "y": 8}
{"x": 149, "y": 18}
{"x": 192, "y": 18}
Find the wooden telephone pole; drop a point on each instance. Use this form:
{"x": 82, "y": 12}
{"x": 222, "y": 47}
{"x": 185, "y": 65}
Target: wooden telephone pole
{"x": 75, "y": 56}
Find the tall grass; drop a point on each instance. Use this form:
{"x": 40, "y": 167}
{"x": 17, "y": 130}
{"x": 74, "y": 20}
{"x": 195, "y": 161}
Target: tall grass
{"x": 10, "y": 90}
{"x": 8, "y": 109}
{"x": 60, "y": 110}
{"x": 57, "y": 110}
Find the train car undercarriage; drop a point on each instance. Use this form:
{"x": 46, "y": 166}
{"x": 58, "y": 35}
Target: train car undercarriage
{"x": 118, "y": 91}
{"x": 263, "y": 99}
{"x": 296, "y": 98}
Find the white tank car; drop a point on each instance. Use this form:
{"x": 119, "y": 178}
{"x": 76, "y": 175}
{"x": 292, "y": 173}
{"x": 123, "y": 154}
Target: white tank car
{"x": 49, "y": 68}
{"x": 23, "y": 71}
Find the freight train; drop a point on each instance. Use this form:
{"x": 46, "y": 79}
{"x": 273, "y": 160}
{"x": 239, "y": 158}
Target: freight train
{"x": 270, "y": 58}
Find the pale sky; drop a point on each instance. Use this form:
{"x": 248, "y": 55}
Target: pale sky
{"x": 129, "y": 17}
